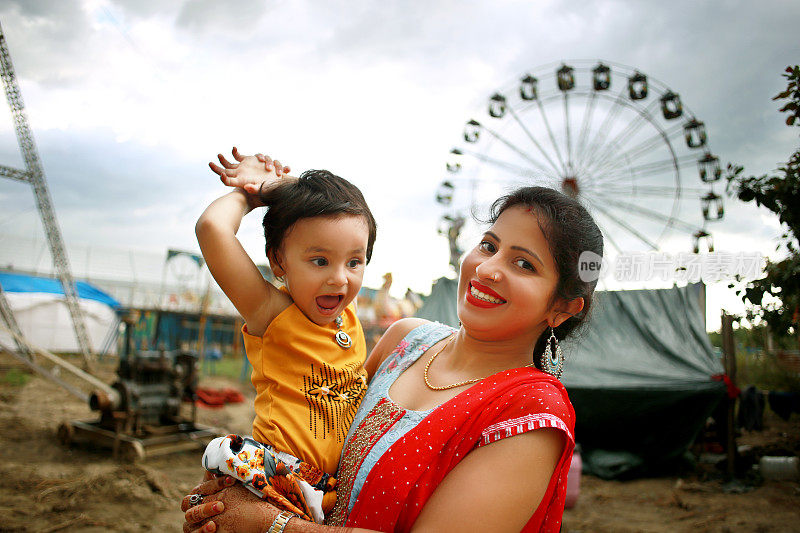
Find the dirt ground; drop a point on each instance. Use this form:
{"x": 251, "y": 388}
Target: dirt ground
{"x": 47, "y": 487}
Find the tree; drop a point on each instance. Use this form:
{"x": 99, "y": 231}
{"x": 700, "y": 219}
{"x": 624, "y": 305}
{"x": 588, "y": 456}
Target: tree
{"x": 780, "y": 193}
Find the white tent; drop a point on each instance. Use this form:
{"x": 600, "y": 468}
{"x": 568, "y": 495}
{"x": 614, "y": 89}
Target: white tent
{"x": 41, "y": 312}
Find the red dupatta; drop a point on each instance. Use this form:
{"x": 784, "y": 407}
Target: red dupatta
{"x": 503, "y": 405}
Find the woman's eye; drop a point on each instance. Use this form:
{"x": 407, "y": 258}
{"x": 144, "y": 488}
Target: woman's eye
{"x": 320, "y": 261}
{"x": 488, "y": 247}
{"x": 525, "y": 264}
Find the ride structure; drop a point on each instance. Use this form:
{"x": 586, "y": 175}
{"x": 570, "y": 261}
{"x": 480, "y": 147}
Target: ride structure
{"x": 623, "y": 143}
{"x": 34, "y": 175}
{"x": 140, "y": 413}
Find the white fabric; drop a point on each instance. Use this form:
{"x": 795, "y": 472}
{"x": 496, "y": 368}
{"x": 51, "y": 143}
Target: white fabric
{"x": 45, "y": 321}
{"x": 257, "y": 458}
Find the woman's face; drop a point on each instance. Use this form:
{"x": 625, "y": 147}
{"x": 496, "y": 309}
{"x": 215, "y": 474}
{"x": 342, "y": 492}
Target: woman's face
{"x": 507, "y": 280}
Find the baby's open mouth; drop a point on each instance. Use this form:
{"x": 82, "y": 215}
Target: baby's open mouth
{"x": 329, "y": 301}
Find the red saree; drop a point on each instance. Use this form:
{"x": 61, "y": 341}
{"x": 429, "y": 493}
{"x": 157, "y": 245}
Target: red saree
{"x": 406, "y": 475}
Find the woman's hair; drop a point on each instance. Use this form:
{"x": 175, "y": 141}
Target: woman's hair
{"x": 316, "y": 193}
{"x": 569, "y": 230}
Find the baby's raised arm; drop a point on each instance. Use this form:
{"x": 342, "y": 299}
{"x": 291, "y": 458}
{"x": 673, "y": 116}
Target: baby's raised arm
{"x": 237, "y": 275}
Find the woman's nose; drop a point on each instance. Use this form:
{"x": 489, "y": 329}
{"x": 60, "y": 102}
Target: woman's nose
{"x": 489, "y": 270}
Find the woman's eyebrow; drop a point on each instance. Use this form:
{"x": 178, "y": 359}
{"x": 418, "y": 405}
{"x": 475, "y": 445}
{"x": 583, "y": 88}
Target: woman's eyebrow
{"x": 520, "y": 248}
{"x": 528, "y": 252}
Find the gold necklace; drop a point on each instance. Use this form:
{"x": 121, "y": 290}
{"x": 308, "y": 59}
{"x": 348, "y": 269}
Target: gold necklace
{"x": 454, "y": 385}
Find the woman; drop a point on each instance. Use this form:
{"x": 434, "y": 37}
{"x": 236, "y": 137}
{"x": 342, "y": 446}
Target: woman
{"x": 465, "y": 429}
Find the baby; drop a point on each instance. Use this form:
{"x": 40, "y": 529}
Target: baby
{"x": 304, "y": 340}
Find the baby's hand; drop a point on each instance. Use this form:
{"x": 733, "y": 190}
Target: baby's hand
{"x": 250, "y": 173}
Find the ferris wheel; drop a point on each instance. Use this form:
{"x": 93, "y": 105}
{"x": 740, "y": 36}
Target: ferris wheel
{"x": 620, "y": 141}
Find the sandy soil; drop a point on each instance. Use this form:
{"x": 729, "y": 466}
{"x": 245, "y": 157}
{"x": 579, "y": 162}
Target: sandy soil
{"x": 47, "y": 487}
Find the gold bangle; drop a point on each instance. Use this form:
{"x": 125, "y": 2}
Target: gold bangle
{"x": 279, "y": 524}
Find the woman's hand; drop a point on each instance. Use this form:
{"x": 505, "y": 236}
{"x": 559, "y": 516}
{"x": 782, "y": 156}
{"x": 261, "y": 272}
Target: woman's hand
{"x": 250, "y": 173}
{"x": 226, "y": 506}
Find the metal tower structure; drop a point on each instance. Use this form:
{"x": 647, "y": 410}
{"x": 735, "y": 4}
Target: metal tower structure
{"x": 34, "y": 175}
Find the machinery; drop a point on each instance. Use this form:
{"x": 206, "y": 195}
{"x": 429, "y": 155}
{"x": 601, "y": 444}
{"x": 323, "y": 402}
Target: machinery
{"x": 140, "y": 413}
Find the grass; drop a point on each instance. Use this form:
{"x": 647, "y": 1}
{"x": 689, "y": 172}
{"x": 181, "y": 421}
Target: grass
{"x": 230, "y": 366}
{"x": 762, "y": 370}
{"x": 14, "y": 377}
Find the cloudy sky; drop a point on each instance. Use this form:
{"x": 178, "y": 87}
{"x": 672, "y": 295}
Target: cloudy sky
{"x": 129, "y": 99}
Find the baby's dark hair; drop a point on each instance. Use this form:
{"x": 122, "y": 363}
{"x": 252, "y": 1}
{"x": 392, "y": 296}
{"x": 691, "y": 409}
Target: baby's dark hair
{"x": 569, "y": 230}
{"x": 316, "y": 193}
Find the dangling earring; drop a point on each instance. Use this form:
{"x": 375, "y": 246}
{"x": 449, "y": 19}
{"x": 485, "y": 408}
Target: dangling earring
{"x": 553, "y": 359}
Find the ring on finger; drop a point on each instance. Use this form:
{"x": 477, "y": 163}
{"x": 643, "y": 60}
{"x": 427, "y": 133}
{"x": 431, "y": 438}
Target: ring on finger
{"x": 195, "y": 499}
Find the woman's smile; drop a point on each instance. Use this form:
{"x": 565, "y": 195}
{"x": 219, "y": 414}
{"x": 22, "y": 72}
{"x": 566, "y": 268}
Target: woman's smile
{"x": 482, "y": 296}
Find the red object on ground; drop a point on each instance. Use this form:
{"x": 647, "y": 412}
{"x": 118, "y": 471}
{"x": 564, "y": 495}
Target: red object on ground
{"x": 216, "y": 398}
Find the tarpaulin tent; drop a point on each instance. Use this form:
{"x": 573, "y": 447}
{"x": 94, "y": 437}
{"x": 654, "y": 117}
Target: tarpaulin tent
{"x": 640, "y": 376}
{"x": 41, "y": 312}
{"x": 440, "y": 305}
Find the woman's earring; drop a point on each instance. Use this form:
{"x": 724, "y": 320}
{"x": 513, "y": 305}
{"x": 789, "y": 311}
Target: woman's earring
{"x": 552, "y": 358}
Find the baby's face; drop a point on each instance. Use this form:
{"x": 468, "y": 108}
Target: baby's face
{"x": 323, "y": 261}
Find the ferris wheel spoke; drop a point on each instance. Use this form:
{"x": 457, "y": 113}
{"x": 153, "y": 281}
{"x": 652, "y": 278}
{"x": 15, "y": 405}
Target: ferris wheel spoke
{"x": 602, "y": 131}
{"x": 670, "y": 220}
{"x": 570, "y": 167}
{"x": 610, "y": 148}
{"x": 647, "y": 169}
{"x": 621, "y": 223}
{"x": 516, "y": 169}
{"x": 634, "y": 190}
{"x": 516, "y": 149}
{"x": 606, "y": 234}
{"x": 533, "y": 139}
{"x": 643, "y": 148}
{"x": 550, "y": 134}
{"x": 618, "y": 174}
{"x": 587, "y": 120}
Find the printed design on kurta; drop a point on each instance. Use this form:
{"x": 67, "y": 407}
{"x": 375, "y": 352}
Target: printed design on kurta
{"x": 333, "y": 397}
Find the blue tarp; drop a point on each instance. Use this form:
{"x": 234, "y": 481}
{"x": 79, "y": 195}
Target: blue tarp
{"x": 33, "y": 284}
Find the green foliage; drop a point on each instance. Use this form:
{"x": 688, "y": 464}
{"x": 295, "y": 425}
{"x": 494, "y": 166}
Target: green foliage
{"x": 762, "y": 370}
{"x": 752, "y": 338}
{"x": 230, "y": 366}
{"x": 775, "y": 298}
{"x": 15, "y": 377}
{"x": 754, "y": 364}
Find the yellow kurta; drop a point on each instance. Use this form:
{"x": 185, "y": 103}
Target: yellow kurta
{"x": 308, "y": 388}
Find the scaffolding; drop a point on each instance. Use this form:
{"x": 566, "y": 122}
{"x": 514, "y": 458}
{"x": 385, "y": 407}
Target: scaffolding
{"x": 33, "y": 174}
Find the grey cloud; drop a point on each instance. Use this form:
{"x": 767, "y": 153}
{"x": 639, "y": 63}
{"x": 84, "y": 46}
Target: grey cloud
{"x": 147, "y": 8}
{"x": 46, "y": 39}
{"x": 100, "y": 187}
{"x": 231, "y": 18}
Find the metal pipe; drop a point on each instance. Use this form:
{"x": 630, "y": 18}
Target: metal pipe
{"x": 111, "y": 395}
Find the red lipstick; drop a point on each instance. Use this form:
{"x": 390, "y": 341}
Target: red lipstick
{"x": 486, "y": 290}
{"x": 477, "y": 302}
